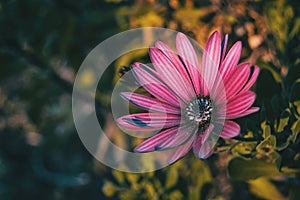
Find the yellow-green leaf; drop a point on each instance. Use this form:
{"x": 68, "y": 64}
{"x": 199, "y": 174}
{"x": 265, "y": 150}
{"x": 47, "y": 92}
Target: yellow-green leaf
{"x": 266, "y": 129}
{"x": 264, "y": 189}
{"x": 172, "y": 177}
{"x": 119, "y": 176}
{"x": 109, "y": 189}
{"x": 243, "y": 148}
{"x": 295, "y": 130}
{"x": 242, "y": 169}
{"x": 283, "y": 122}
{"x": 267, "y": 144}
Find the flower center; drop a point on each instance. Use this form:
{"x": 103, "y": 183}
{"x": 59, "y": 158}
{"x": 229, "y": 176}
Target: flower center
{"x": 199, "y": 111}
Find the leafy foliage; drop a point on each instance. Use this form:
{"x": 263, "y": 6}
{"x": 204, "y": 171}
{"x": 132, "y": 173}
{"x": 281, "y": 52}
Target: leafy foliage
{"x": 42, "y": 44}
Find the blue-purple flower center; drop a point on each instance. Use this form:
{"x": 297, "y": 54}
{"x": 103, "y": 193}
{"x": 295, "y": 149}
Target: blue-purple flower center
{"x": 199, "y": 111}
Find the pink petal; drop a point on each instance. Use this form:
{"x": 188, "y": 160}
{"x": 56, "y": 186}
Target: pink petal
{"x": 227, "y": 66}
{"x": 211, "y": 60}
{"x": 175, "y": 61}
{"x": 148, "y": 121}
{"x": 252, "y": 78}
{"x": 149, "y": 103}
{"x": 189, "y": 58}
{"x": 248, "y": 112}
{"x": 230, "y": 129}
{"x": 150, "y": 80}
{"x": 181, "y": 151}
{"x": 218, "y": 92}
{"x": 224, "y": 47}
{"x": 170, "y": 75}
{"x": 151, "y": 143}
{"x": 184, "y": 134}
{"x": 231, "y": 60}
{"x": 237, "y": 80}
{"x": 240, "y": 104}
{"x": 201, "y": 147}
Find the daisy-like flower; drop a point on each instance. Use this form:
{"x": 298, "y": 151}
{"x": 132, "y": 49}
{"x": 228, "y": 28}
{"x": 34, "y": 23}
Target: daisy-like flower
{"x": 191, "y": 105}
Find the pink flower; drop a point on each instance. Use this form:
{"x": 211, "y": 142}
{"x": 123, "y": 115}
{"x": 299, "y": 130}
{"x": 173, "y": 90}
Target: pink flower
{"x": 192, "y": 105}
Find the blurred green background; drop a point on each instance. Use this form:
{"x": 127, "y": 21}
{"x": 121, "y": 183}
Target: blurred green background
{"x": 42, "y": 44}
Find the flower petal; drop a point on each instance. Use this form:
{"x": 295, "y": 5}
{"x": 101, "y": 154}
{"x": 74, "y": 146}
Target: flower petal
{"x": 177, "y": 63}
{"x": 237, "y": 106}
{"x": 181, "y": 151}
{"x": 248, "y": 112}
{"x": 170, "y": 75}
{"x": 148, "y": 121}
{"x": 184, "y": 134}
{"x": 237, "y": 80}
{"x": 231, "y": 60}
{"x": 150, "y": 80}
{"x": 150, "y": 144}
{"x": 211, "y": 60}
{"x": 201, "y": 148}
{"x": 224, "y": 47}
{"x": 230, "y": 129}
{"x": 252, "y": 79}
{"x": 149, "y": 103}
{"x": 189, "y": 58}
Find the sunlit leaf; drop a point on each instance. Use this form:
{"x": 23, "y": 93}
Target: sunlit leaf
{"x": 283, "y": 122}
{"x": 109, "y": 189}
{"x": 263, "y": 188}
{"x": 119, "y": 176}
{"x": 266, "y": 129}
{"x": 132, "y": 178}
{"x": 242, "y": 169}
{"x": 243, "y": 148}
{"x": 172, "y": 177}
{"x": 150, "y": 190}
{"x": 295, "y": 130}
{"x": 176, "y": 195}
{"x": 267, "y": 144}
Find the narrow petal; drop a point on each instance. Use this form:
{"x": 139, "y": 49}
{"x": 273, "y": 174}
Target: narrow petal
{"x": 252, "y": 79}
{"x": 248, "y": 112}
{"x": 174, "y": 58}
{"x": 242, "y": 102}
{"x": 224, "y": 47}
{"x": 199, "y": 150}
{"x": 184, "y": 134}
{"x": 231, "y": 60}
{"x": 237, "y": 80}
{"x": 230, "y": 129}
{"x": 149, "y": 103}
{"x": 148, "y": 121}
{"x": 170, "y": 75}
{"x": 181, "y": 151}
{"x": 211, "y": 60}
{"x": 218, "y": 92}
{"x": 150, "y": 80}
{"x": 189, "y": 59}
{"x": 150, "y": 144}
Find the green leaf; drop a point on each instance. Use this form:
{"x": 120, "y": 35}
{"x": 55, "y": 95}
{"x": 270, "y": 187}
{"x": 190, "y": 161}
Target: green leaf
{"x": 295, "y": 130}
{"x": 172, "y": 177}
{"x": 176, "y": 195}
{"x": 296, "y": 108}
{"x": 267, "y": 144}
{"x": 264, "y": 189}
{"x": 242, "y": 169}
{"x": 283, "y": 122}
{"x": 243, "y": 148}
{"x": 266, "y": 129}
{"x": 109, "y": 189}
{"x": 119, "y": 176}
